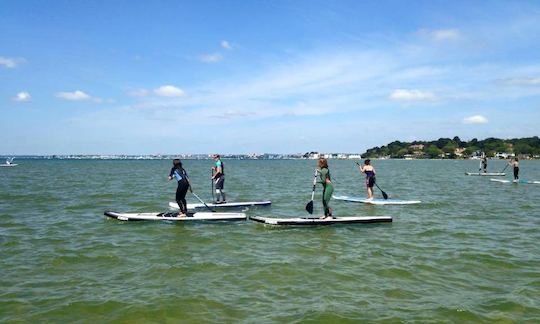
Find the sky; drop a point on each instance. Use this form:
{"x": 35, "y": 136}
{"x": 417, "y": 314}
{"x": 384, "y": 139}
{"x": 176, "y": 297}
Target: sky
{"x": 169, "y": 77}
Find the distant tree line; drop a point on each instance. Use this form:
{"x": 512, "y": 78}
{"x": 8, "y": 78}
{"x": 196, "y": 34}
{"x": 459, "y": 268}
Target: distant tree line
{"x": 456, "y": 148}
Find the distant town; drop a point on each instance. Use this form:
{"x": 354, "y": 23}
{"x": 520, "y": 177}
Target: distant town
{"x": 443, "y": 148}
{"x": 251, "y": 156}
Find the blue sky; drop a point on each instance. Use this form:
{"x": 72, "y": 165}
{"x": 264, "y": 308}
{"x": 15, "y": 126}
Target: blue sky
{"x": 150, "y": 77}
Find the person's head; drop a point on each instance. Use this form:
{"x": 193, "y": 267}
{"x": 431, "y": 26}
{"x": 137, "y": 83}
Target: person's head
{"x": 367, "y": 162}
{"x": 177, "y": 163}
{"x": 516, "y": 159}
{"x": 323, "y": 163}
{"x": 216, "y": 156}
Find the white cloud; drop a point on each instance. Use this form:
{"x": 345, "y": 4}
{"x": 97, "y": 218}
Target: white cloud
{"x": 22, "y": 96}
{"x": 440, "y": 35}
{"x": 522, "y": 81}
{"x": 411, "y": 95}
{"x": 211, "y": 58}
{"x": 73, "y": 96}
{"x": 476, "y": 119}
{"x": 169, "y": 91}
{"x": 226, "y": 45}
{"x": 138, "y": 93}
{"x": 9, "y": 63}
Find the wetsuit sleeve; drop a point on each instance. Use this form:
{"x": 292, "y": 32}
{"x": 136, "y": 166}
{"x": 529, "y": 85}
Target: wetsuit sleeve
{"x": 171, "y": 174}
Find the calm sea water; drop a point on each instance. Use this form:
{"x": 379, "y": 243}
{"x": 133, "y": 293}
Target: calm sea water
{"x": 469, "y": 253}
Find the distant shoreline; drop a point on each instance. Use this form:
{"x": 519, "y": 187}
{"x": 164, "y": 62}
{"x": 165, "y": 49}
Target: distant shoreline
{"x": 226, "y": 157}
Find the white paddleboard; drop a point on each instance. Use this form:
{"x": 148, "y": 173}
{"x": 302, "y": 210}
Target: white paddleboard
{"x": 174, "y": 205}
{"x": 493, "y": 174}
{"x": 317, "y": 221}
{"x": 515, "y": 181}
{"x": 8, "y": 165}
{"x": 174, "y": 216}
{"x": 377, "y": 201}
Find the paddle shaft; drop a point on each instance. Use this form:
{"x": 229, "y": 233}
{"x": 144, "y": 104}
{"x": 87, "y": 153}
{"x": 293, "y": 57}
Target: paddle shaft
{"x": 507, "y": 164}
{"x": 194, "y": 194}
{"x": 314, "y": 185}
{"x": 309, "y": 205}
{"x": 212, "y": 181}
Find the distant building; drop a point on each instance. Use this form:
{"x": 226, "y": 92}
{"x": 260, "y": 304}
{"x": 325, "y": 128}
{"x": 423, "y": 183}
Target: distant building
{"x": 504, "y": 155}
{"x": 459, "y": 151}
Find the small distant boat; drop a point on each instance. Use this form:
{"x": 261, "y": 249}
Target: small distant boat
{"x": 9, "y": 163}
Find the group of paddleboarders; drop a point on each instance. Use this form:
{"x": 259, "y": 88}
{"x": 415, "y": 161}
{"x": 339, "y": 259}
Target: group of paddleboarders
{"x": 218, "y": 181}
{"x": 184, "y": 184}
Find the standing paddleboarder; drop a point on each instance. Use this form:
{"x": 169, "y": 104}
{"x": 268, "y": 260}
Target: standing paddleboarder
{"x": 328, "y": 188}
{"x": 369, "y": 170}
{"x": 484, "y": 164}
{"x": 515, "y": 166}
{"x": 178, "y": 173}
{"x": 219, "y": 179}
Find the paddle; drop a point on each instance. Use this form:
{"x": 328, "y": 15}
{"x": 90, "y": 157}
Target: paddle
{"x": 309, "y": 206}
{"x": 205, "y": 205}
{"x": 507, "y": 164}
{"x": 212, "y": 181}
{"x": 385, "y": 196}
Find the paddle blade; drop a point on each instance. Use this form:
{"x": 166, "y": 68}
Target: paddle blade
{"x": 385, "y": 196}
{"x": 309, "y": 207}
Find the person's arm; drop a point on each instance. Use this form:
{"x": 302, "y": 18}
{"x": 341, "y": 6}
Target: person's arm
{"x": 171, "y": 174}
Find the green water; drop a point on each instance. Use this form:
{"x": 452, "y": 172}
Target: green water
{"x": 469, "y": 253}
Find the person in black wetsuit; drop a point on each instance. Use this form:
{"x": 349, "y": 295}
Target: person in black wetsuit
{"x": 515, "y": 166}
{"x": 178, "y": 173}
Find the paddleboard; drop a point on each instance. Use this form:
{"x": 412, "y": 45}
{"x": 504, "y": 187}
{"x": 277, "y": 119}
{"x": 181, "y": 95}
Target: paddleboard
{"x": 172, "y": 216}
{"x": 515, "y": 181}
{"x": 8, "y": 165}
{"x": 377, "y": 201}
{"x": 493, "y": 174}
{"x": 174, "y": 205}
{"x": 317, "y": 221}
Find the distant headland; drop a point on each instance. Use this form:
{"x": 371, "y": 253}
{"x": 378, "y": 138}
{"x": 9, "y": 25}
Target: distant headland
{"x": 455, "y": 148}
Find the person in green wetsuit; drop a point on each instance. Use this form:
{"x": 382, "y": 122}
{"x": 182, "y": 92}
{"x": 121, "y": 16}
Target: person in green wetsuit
{"x": 328, "y": 188}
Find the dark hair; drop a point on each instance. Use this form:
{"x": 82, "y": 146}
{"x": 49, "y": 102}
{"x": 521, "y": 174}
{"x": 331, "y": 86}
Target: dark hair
{"x": 177, "y": 163}
{"x": 323, "y": 163}
{"x": 367, "y": 162}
